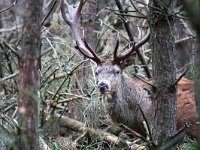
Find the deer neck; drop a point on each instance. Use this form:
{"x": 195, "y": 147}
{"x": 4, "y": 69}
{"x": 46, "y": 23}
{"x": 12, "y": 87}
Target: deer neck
{"x": 123, "y": 105}
{"x": 129, "y": 94}
{"x": 128, "y": 90}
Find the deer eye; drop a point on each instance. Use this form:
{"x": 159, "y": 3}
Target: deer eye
{"x": 117, "y": 72}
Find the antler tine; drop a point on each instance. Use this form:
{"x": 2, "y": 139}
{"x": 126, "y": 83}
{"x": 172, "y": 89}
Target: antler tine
{"x": 115, "y": 50}
{"x": 97, "y": 58}
{"x": 128, "y": 52}
{"x": 72, "y": 20}
{"x": 143, "y": 41}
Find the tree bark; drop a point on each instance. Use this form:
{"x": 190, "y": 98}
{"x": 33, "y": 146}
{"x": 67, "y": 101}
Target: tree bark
{"x": 28, "y": 103}
{"x": 197, "y": 82}
{"x": 192, "y": 7}
{"x": 164, "y": 71}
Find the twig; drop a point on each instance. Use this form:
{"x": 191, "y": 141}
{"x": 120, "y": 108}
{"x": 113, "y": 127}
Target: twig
{"x": 68, "y": 94}
{"x": 116, "y": 10}
{"x": 54, "y": 96}
{"x": 126, "y": 24}
{"x": 114, "y": 30}
{"x": 145, "y": 81}
{"x": 70, "y": 99}
{"x": 46, "y": 51}
{"x": 47, "y": 69}
{"x": 57, "y": 119}
{"x": 56, "y": 77}
{"x": 134, "y": 132}
{"x": 55, "y": 103}
{"x": 68, "y": 75}
{"x": 179, "y": 78}
{"x": 180, "y": 130}
{"x": 5, "y": 9}
{"x": 127, "y": 27}
{"x": 51, "y": 9}
{"x": 75, "y": 95}
{"x": 9, "y": 77}
{"x": 45, "y": 80}
{"x": 146, "y": 121}
{"x": 10, "y": 29}
{"x": 171, "y": 143}
{"x": 173, "y": 140}
{"x": 10, "y": 107}
{"x": 11, "y": 48}
{"x": 138, "y": 11}
{"x": 126, "y": 15}
{"x": 85, "y": 134}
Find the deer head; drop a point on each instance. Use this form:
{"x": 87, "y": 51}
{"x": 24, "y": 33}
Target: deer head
{"x": 109, "y": 71}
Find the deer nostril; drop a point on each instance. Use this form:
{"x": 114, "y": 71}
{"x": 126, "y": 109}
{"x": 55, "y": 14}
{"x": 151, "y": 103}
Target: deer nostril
{"x": 103, "y": 87}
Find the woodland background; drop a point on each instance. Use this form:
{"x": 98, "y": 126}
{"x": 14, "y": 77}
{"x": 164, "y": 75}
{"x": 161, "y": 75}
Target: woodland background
{"x": 44, "y": 75}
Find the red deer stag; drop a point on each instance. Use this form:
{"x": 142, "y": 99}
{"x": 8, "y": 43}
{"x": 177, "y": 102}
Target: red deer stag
{"x": 122, "y": 94}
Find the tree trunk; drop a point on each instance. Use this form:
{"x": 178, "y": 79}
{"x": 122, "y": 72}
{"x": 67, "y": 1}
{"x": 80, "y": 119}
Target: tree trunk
{"x": 164, "y": 71}
{"x": 192, "y": 8}
{"x": 28, "y": 103}
{"x": 197, "y": 82}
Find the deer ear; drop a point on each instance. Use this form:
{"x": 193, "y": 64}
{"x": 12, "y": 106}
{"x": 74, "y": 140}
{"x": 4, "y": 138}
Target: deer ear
{"x": 122, "y": 66}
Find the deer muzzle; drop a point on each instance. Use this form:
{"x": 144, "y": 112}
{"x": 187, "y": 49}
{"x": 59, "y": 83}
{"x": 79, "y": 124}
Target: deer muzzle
{"x": 103, "y": 87}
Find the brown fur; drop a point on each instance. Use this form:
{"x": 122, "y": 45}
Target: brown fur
{"x": 186, "y": 106}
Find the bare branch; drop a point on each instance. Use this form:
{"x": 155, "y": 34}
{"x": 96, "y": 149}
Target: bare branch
{"x": 127, "y": 27}
{"x": 9, "y": 77}
{"x": 136, "y": 46}
{"x": 5, "y": 9}
{"x": 49, "y": 12}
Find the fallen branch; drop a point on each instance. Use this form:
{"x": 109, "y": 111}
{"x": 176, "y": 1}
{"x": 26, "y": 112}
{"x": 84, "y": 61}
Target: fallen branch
{"x": 80, "y": 127}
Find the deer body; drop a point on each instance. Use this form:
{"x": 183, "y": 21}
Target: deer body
{"x": 122, "y": 105}
{"x": 123, "y": 99}
{"x": 124, "y": 95}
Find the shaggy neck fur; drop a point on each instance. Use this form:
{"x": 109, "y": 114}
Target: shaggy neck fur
{"x": 122, "y": 105}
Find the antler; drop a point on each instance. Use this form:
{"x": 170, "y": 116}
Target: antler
{"x": 128, "y": 52}
{"x": 72, "y": 20}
